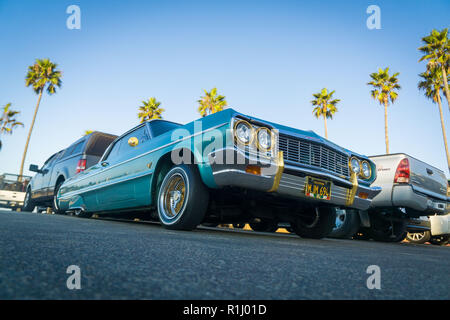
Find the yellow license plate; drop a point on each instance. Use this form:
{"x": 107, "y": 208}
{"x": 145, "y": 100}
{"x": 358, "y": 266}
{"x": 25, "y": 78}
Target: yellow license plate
{"x": 318, "y": 189}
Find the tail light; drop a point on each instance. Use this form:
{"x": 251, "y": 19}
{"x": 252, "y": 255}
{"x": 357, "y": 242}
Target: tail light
{"x": 81, "y": 165}
{"x": 403, "y": 172}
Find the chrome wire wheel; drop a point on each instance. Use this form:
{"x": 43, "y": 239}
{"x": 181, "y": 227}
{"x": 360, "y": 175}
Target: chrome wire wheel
{"x": 173, "y": 197}
{"x": 417, "y": 236}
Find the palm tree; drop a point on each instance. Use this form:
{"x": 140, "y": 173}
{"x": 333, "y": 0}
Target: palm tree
{"x": 432, "y": 83}
{"x": 150, "y": 110}
{"x": 325, "y": 106}
{"x": 8, "y": 120}
{"x": 436, "y": 50}
{"x": 384, "y": 87}
{"x": 211, "y": 103}
{"x": 41, "y": 75}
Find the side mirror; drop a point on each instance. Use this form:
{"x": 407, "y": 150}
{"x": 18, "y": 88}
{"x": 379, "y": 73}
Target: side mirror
{"x": 34, "y": 168}
{"x": 133, "y": 142}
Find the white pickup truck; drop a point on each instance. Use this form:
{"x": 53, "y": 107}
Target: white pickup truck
{"x": 413, "y": 202}
{"x": 12, "y": 190}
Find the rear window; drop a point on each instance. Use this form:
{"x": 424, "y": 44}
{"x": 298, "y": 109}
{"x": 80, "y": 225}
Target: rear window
{"x": 98, "y": 144}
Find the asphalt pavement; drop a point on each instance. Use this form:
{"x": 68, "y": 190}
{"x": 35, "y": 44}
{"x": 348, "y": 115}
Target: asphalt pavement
{"x": 139, "y": 260}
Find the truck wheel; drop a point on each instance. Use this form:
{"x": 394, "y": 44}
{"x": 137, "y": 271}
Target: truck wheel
{"x": 28, "y": 203}
{"x": 55, "y": 206}
{"x": 418, "y": 237}
{"x": 440, "y": 240}
{"x": 318, "y": 224}
{"x": 385, "y": 230}
{"x": 265, "y": 225}
{"x": 346, "y": 225}
{"x": 182, "y": 198}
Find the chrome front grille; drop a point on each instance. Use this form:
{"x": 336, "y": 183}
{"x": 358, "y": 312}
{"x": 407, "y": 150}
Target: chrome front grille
{"x": 313, "y": 154}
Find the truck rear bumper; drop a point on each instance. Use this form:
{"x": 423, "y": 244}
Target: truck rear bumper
{"x": 405, "y": 196}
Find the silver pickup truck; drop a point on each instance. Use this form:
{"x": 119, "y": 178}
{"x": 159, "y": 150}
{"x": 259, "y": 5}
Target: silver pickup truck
{"x": 412, "y": 190}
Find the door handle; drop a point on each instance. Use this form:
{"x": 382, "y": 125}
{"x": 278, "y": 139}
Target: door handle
{"x": 104, "y": 164}
{"x": 429, "y": 171}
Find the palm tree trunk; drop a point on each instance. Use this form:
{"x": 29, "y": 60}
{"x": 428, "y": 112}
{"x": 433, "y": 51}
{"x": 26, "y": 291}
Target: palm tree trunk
{"x": 29, "y": 135}
{"x": 444, "y": 135}
{"x": 447, "y": 92}
{"x": 386, "y": 137}
{"x": 325, "y": 119}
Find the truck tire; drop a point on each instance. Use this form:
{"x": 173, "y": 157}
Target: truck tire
{"x": 319, "y": 225}
{"x": 418, "y": 237}
{"x": 28, "y": 203}
{"x": 265, "y": 225}
{"x": 55, "y": 207}
{"x": 347, "y": 224}
{"x": 440, "y": 240}
{"x": 182, "y": 198}
{"x": 384, "y": 230}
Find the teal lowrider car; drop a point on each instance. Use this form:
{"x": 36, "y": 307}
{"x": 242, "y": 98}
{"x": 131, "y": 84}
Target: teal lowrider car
{"x": 224, "y": 168}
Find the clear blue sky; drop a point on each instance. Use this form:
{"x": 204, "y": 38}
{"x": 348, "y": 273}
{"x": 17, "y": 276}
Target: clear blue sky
{"x": 266, "y": 57}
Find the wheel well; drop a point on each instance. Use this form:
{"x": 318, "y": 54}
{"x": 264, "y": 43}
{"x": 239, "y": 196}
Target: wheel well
{"x": 163, "y": 166}
{"x": 60, "y": 179}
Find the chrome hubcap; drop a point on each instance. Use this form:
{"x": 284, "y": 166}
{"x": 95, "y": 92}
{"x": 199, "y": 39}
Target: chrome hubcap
{"x": 173, "y": 196}
{"x": 340, "y": 218}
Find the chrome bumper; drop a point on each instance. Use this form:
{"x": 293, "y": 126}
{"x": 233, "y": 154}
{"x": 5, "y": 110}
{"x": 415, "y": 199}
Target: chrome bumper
{"x": 286, "y": 180}
{"x": 405, "y": 196}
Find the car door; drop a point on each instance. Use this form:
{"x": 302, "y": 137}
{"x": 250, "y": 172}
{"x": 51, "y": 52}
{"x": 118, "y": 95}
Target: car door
{"x": 121, "y": 170}
{"x": 48, "y": 186}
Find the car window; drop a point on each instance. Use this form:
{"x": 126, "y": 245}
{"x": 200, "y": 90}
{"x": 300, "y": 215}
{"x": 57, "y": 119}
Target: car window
{"x": 74, "y": 149}
{"x": 121, "y": 147}
{"x": 98, "y": 144}
{"x": 49, "y": 161}
{"x": 77, "y": 149}
{"x": 158, "y": 127}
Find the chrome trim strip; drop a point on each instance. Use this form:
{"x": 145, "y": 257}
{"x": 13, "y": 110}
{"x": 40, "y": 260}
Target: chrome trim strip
{"x": 238, "y": 171}
{"x": 103, "y": 185}
{"x": 146, "y": 153}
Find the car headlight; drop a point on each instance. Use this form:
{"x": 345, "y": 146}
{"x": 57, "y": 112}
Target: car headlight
{"x": 355, "y": 165}
{"x": 264, "y": 139}
{"x": 366, "y": 170}
{"x": 243, "y": 131}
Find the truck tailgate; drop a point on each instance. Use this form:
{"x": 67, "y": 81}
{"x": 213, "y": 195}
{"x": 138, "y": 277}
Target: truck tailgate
{"x": 427, "y": 179}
